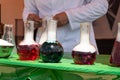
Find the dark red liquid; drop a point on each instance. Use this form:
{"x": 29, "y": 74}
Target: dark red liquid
{"x": 28, "y": 52}
{"x": 51, "y": 52}
{"x": 83, "y": 57}
{"x": 115, "y": 56}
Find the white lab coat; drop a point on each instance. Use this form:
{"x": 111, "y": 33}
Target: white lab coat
{"x": 77, "y": 11}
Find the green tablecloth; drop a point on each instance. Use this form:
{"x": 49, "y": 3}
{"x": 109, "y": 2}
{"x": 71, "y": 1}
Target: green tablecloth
{"x": 15, "y": 69}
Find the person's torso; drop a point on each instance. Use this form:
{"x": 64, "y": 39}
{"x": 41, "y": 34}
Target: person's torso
{"x": 65, "y": 35}
{"x": 52, "y": 7}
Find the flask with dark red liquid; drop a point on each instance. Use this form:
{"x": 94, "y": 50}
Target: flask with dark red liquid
{"x": 28, "y": 49}
{"x": 115, "y": 55}
{"x": 84, "y": 52}
{"x": 51, "y": 51}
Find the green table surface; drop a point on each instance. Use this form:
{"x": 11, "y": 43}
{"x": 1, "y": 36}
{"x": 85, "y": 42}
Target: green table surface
{"x": 101, "y": 66}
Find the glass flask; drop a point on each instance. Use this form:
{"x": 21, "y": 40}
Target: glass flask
{"x": 9, "y": 37}
{"x": 28, "y": 49}
{"x": 51, "y": 50}
{"x": 8, "y": 33}
{"x": 6, "y": 49}
{"x": 84, "y": 52}
{"x": 115, "y": 55}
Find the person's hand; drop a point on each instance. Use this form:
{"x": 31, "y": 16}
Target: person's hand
{"x": 37, "y": 20}
{"x": 61, "y": 18}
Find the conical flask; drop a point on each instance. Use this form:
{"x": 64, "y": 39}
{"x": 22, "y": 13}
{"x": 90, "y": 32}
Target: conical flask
{"x": 28, "y": 49}
{"x": 8, "y": 37}
{"x": 115, "y": 55}
{"x": 51, "y": 50}
{"x": 84, "y": 52}
{"x": 8, "y": 33}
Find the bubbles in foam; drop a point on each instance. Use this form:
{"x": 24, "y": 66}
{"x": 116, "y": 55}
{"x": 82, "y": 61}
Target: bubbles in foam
{"x": 5, "y": 43}
{"x": 85, "y": 48}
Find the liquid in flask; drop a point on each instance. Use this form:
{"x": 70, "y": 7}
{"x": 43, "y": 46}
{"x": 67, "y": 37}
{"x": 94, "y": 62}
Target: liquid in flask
{"x": 28, "y": 49}
{"x": 51, "y": 50}
{"x": 84, "y": 52}
{"x": 115, "y": 55}
{"x": 8, "y": 37}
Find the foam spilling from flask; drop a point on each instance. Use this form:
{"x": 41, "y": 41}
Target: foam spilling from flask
{"x": 84, "y": 48}
{"x": 5, "y": 43}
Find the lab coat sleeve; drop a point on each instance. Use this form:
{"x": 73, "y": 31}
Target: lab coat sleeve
{"x": 29, "y": 7}
{"x": 89, "y": 12}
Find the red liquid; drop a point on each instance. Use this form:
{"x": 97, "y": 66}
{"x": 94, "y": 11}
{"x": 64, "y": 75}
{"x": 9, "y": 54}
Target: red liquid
{"x": 115, "y": 57}
{"x": 83, "y": 57}
{"x": 28, "y": 52}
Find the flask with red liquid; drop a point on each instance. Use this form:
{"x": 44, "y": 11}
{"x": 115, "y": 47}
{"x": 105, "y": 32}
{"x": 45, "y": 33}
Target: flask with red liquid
{"x": 84, "y": 52}
{"x": 28, "y": 49}
{"x": 115, "y": 55}
{"x": 51, "y": 50}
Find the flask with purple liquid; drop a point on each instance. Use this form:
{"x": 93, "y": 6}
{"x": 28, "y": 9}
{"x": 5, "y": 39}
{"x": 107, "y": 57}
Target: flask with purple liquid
{"x": 84, "y": 52}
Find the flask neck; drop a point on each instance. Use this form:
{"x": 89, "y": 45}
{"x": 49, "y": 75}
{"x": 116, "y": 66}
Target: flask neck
{"x": 84, "y": 33}
{"x": 29, "y": 31}
{"x": 44, "y": 29}
{"x": 118, "y": 33}
{"x": 52, "y": 26}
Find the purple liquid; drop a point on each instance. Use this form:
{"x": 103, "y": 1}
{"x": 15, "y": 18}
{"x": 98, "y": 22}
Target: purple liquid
{"x": 28, "y": 52}
{"x": 83, "y": 57}
{"x": 115, "y": 57}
